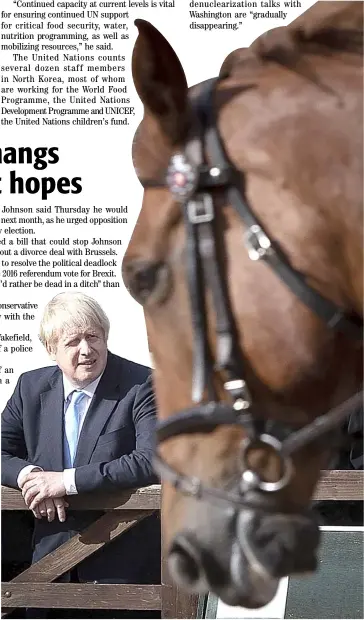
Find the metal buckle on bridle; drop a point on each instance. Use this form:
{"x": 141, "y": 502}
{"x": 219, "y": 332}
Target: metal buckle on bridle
{"x": 250, "y": 480}
{"x": 201, "y": 210}
{"x": 238, "y": 390}
{"x": 189, "y": 485}
{"x": 257, "y": 243}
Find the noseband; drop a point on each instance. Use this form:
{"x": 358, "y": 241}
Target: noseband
{"x": 193, "y": 178}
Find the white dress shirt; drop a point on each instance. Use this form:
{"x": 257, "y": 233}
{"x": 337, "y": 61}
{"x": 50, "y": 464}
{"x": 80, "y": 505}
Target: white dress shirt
{"x": 68, "y": 388}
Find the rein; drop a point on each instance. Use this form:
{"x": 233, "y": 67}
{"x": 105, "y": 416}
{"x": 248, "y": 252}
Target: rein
{"x": 192, "y": 177}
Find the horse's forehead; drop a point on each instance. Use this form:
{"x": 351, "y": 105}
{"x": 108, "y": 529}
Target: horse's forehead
{"x": 152, "y": 150}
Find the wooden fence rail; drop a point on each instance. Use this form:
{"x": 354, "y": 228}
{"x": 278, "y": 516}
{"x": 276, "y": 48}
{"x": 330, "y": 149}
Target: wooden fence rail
{"x": 122, "y": 511}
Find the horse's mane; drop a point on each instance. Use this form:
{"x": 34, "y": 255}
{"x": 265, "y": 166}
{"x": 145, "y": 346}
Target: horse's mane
{"x": 326, "y": 28}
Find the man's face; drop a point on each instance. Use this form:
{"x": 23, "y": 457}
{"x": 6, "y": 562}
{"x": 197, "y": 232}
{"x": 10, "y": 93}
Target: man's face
{"x": 81, "y": 355}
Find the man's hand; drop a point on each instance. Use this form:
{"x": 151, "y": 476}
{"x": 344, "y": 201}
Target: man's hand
{"x": 38, "y": 486}
{"x": 49, "y": 507}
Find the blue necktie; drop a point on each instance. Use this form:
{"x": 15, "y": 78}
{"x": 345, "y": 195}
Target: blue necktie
{"x": 71, "y": 426}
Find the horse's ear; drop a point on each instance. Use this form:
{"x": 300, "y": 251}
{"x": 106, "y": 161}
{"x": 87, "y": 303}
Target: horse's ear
{"x": 160, "y": 80}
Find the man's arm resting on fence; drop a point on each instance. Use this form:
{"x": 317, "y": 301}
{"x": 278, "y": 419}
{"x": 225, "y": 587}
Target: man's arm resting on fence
{"x": 13, "y": 448}
{"x": 15, "y": 468}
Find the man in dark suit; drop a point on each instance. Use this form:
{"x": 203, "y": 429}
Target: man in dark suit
{"x": 85, "y": 425}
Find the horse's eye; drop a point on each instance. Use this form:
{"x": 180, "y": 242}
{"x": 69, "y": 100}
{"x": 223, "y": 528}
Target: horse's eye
{"x": 147, "y": 281}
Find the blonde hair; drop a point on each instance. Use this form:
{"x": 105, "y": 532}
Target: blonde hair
{"x": 69, "y": 311}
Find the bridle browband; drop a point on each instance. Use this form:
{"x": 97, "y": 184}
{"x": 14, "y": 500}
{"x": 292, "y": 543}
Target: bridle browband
{"x": 193, "y": 176}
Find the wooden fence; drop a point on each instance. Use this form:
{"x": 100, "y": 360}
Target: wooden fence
{"x": 123, "y": 511}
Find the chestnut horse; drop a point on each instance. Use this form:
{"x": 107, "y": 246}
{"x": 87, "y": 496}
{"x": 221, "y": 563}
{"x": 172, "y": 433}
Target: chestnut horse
{"x": 247, "y": 258}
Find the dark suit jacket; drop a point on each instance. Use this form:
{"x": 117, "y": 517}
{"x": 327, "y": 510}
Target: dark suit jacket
{"x": 114, "y": 452}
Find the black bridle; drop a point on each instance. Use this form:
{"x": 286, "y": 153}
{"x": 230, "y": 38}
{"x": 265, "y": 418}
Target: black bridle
{"x": 192, "y": 178}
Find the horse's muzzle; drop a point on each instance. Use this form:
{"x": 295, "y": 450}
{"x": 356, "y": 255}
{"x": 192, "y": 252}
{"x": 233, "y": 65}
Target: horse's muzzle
{"x": 243, "y": 560}
{"x": 282, "y": 544}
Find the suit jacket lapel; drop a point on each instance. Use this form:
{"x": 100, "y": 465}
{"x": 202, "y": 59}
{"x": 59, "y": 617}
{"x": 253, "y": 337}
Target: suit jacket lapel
{"x": 51, "y": 425}
{"x": 102, "y": 405}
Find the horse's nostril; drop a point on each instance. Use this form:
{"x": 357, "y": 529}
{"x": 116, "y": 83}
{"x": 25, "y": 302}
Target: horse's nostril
{"x": 185, "y": 565}
{"x": 146, "y": 280}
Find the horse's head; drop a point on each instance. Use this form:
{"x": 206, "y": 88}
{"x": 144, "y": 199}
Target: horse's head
{"x": 293, "y": 141}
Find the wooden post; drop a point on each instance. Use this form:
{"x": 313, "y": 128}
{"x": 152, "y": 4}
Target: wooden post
{"x": 175, "y": 602}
